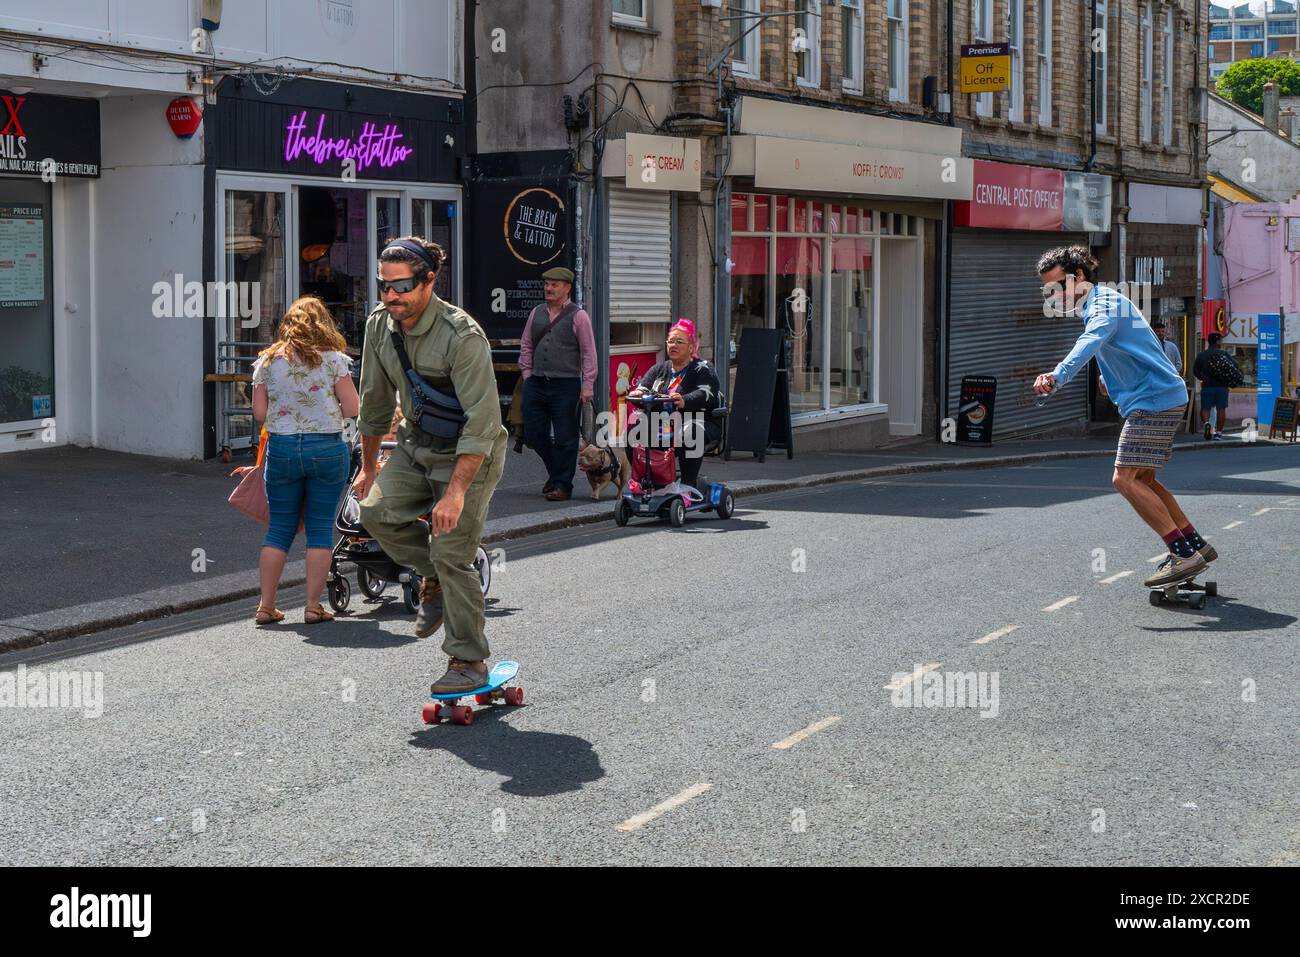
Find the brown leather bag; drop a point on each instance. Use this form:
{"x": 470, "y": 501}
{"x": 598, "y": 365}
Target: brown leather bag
{"x": 249, "y": 495}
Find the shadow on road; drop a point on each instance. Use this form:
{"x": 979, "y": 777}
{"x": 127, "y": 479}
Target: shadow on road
{"x": 538, "y": 763}
{"x": 1226, "y": 614}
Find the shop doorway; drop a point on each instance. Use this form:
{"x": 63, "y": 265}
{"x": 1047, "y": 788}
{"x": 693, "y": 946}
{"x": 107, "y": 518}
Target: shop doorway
{"x": 900, "y": 361}
{"x": 26, "y": 305}
{"x": 295, "y": 238}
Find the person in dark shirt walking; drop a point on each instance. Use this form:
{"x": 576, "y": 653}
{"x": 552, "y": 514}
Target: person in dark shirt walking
{"x": 1218, "y": 373}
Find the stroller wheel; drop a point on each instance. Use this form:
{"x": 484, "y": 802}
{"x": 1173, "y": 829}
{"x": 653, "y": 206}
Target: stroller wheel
{"x": 340, "y": 594}
{"x": 371, "y": 585}
{"x": 411, "y": 595}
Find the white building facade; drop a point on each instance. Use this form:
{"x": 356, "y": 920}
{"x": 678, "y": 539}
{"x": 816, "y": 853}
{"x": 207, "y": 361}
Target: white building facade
{"x": 109, "y": 192}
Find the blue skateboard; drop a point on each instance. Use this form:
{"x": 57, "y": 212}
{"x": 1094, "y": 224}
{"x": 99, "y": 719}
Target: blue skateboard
{"x": 448, "y": 705}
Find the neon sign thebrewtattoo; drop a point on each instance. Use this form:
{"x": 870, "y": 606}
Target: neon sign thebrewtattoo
{"x": 371, "y": 146}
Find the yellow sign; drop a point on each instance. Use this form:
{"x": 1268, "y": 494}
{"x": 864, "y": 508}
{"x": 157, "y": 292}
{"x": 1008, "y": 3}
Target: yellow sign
{"x": 986, "y": 68}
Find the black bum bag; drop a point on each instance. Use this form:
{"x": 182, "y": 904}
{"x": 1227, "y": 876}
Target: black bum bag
{"x": 437, "y": 413}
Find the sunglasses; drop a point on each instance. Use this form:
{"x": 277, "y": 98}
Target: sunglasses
{"x": 399, "y": 286}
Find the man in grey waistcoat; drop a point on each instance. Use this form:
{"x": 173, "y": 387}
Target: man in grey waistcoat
{"x": 557, "y": 358}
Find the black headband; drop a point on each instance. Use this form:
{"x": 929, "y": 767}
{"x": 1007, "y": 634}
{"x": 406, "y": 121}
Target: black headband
{"x": 411, "y": 248}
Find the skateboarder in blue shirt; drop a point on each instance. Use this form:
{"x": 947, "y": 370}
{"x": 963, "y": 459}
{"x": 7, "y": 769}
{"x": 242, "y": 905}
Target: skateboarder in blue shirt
{"x": 1138, "y": 377}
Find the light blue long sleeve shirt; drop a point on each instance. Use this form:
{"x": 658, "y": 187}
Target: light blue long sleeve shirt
{"x": 1137, "y": 373}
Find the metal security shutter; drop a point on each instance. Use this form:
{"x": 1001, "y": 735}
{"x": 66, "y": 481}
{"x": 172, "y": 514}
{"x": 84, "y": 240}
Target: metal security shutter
{"x": 997, "y": 328}
{"x": 640, "y": 255}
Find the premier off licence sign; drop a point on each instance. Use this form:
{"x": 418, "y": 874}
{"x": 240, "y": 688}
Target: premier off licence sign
{"x": 986, "y": 68}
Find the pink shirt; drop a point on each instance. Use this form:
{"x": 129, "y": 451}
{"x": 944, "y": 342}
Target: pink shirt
{"x": 586, "y": 342}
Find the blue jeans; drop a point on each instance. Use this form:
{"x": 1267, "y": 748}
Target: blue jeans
{"x": 309, "y": 467}
{"x": 551, "y": 405}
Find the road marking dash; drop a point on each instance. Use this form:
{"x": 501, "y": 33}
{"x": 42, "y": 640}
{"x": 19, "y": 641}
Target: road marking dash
{"x": 1057, "y": 606}
{"x": 995, "y": 635}
{"x": 674, "y": 802}
{"x": 1261, "y": 512}
{"x": 1114, "y": 578}
{"x": 908, "y": 679}
{"x": 786, "y": 744}
{"x": 1157, "y": 558}
{"x": 1233, "y": 525}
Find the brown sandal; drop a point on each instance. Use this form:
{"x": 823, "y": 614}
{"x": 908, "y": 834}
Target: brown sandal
{"x": 268, "y": 616}
{"x": 314, "y": 616}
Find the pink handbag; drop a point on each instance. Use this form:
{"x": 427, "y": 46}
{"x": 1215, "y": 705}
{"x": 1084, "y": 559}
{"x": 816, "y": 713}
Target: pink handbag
{"x": 249, "y": 495}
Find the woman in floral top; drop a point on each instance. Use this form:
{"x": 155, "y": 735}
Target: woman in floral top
{"x": 303, "y": 390}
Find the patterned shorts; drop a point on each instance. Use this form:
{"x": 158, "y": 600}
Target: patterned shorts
{"x": 1147, "y": 439}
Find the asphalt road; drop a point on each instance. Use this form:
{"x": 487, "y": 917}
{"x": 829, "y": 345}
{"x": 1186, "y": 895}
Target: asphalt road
{"x": 661, "y": 667}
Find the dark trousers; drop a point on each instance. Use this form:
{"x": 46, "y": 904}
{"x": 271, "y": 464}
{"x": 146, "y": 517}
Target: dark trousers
{"x": 689, "y": 465}
{"x": 551, "y": 409}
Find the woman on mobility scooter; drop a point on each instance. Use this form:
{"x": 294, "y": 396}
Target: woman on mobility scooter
{"x": 686, "y": 385}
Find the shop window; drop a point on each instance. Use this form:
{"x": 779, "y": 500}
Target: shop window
{"x": 749, "y": 304}
{"x": 782, "y": 205}
{"x": 255, "y": 253}
{"x": 762, "y": 220}
{"x": 798, "y": 288}
{"x": 740, "y": 212}
{"x": 26, "y": 302}
{"x": 435, "y": 219}
{"x": 798, "y": 216}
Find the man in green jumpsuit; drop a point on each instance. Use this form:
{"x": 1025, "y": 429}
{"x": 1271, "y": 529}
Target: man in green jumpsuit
{"x": 454, "y": 477}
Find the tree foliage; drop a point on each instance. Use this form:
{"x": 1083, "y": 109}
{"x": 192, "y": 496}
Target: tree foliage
{"x": 1243, "y": 82}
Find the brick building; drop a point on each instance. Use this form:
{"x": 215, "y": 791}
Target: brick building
{"x": 801, "y": 165}
{"x": 1130, "y": 178}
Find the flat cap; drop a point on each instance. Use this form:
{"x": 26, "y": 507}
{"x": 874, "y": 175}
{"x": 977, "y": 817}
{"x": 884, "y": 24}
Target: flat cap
{"x": 559, "y": 273}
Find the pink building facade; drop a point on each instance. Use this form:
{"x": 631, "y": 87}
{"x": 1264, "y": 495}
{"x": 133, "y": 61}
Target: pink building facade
{"x": 1258, "y": 271}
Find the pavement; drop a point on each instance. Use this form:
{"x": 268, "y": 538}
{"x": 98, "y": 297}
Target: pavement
{"x": 137, "y": 538}
{"x": 726, "y": 693}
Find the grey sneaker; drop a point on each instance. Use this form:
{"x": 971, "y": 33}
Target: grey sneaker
{"x": 429, "y": 618}
{"x": 462, "y": 677}
{"x": 1174, "y": 569}
{"x": 1208, "y": 553}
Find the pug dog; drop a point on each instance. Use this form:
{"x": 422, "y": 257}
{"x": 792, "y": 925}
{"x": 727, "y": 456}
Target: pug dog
{"x": 604, "y": 466}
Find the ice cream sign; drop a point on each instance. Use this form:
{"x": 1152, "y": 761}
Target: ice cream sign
{"x": 305, "y": 137}
{"x": 662, "y": 163}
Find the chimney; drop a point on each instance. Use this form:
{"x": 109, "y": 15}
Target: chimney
{"x": 1288, "y": 124}
{"x": 1270, "y": 105}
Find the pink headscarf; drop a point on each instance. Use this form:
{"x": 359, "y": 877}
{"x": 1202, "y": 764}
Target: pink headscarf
{"x": 688, "y": 327}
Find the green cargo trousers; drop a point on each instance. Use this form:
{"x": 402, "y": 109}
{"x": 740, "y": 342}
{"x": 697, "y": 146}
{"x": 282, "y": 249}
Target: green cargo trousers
{"x": 408, "y": 486}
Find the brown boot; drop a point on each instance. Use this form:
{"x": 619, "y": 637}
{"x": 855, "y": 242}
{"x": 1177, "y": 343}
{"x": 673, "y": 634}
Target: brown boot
{"x": 429, "y": 618}
{"x": 462, "y": 677}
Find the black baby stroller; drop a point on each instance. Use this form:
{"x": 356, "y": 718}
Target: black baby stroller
{"x": 375, "y": 570}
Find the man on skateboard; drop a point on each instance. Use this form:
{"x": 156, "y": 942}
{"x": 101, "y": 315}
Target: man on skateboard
{"x": 450, "y": 449}
{"x": 1139, "y": 379}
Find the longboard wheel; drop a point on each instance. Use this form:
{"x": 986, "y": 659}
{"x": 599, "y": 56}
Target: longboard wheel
{"x": 514, "y": 696}
{"x": 1197, "y": 601}
{"x": 1211, "y": 588}
{"x": 463, "y": 714}
{"x": 430, "y": 712}
{"x": 1157, "y": 598}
